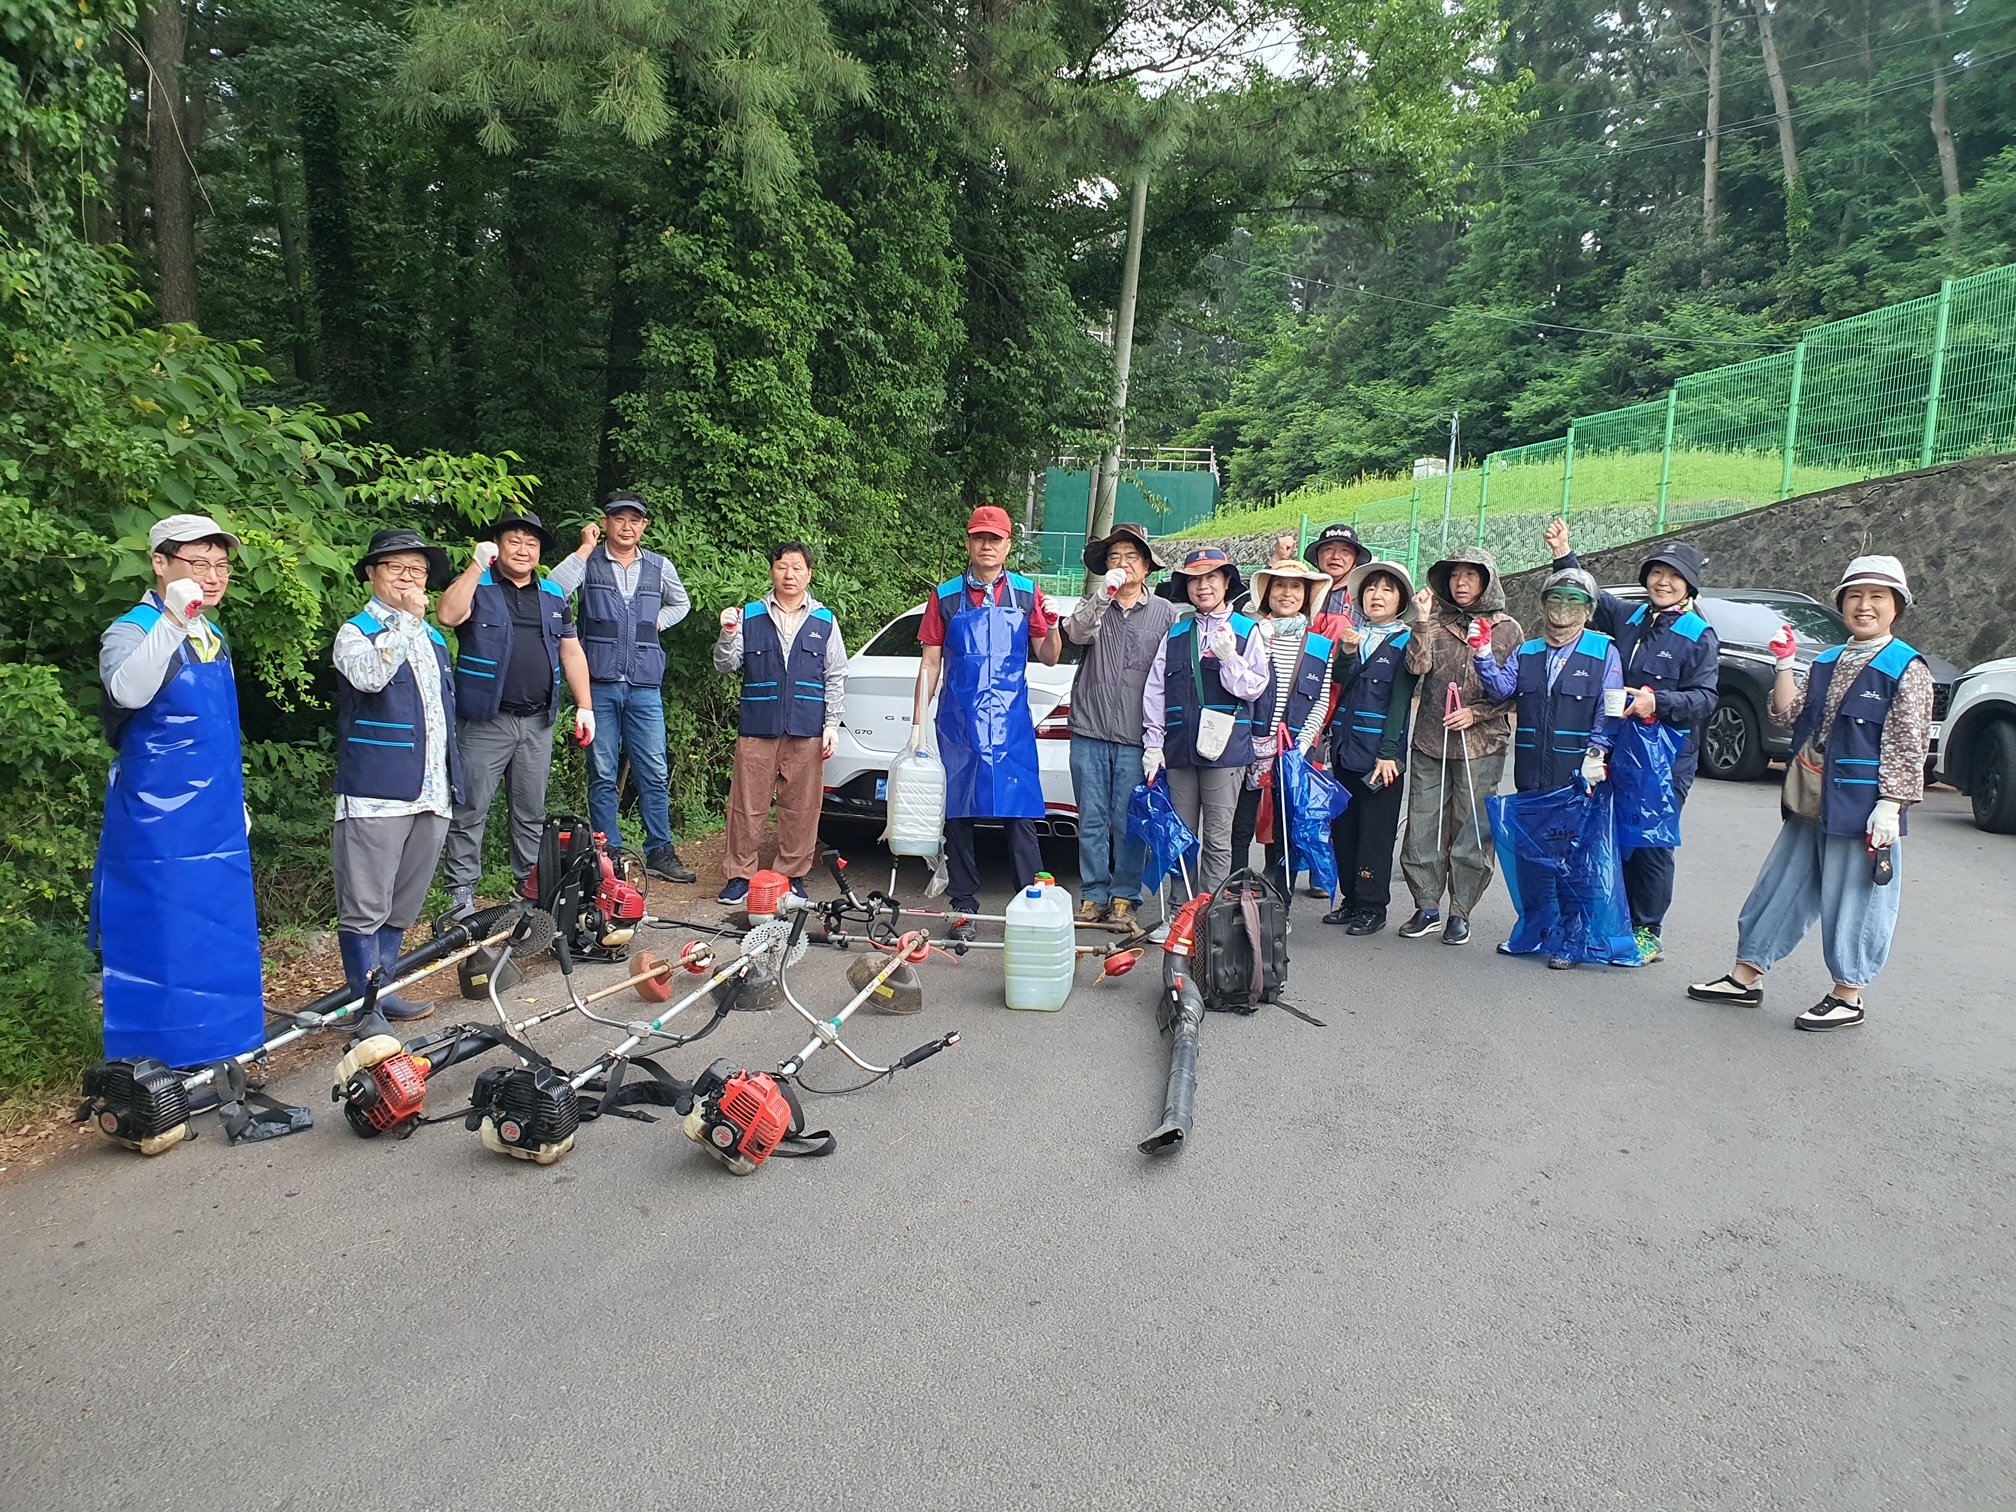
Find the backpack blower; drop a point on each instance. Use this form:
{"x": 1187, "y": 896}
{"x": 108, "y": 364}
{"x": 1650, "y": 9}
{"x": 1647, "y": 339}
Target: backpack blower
{"x": 145, "y": 1105}
{"x": 595, "y": 910}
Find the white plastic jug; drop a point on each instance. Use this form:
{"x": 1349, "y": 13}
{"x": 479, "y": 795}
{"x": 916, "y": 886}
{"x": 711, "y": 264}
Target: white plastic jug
{"x": 1040, "y": 955}
{"x": 916, "y": 805}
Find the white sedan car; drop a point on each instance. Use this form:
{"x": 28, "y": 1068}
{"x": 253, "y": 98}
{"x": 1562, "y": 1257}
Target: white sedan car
{"x": 881, "y": 691}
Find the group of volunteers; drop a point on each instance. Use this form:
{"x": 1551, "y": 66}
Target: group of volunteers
{"x": 1410, "y": 697}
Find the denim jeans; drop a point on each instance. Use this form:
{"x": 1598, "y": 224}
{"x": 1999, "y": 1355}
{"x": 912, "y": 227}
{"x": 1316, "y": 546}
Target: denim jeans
{"x": 630, "y": 721}
{"x": 1813, "y": 877}
{"x": 1103, "y": 777}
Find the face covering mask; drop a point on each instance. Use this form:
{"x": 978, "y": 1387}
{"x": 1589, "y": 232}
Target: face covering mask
{"x": 1564, "y": 613}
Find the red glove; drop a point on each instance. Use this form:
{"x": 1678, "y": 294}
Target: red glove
{"x": 1479, "y": 638}
{"x": 1785, "y": 646}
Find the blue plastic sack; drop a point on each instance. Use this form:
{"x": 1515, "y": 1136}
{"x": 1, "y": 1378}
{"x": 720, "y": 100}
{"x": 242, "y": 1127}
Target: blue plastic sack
{"x": 1152, "y": 819}
{"x": 1559, "y": 855}
{"x": 1311, "y": 799}
{"x": 1641, "y": 770}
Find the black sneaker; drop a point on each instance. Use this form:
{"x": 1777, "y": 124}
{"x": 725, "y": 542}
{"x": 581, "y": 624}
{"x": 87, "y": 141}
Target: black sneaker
{"x": 1561, "y": 963}
{"x": 737, "y": 891}
{"x": 664, "y": 863}
{"x": 1830, "y": 1012}
{"x": 1456, "y": 931}
{"x": 1367, "y": 923}
{"x": 1345, "y": 913}
{"x": 1726, "y": 989}
{"x": 1425, "y": 922}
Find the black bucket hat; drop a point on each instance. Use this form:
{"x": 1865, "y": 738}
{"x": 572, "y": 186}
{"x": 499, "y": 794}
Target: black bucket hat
{"x": 1127, "y": 530}
{"x": 1336, "y": 534}
{"x": 391, "y": 542}
{"x": 1683, "y": 558}
{"x": 526, "y": 520}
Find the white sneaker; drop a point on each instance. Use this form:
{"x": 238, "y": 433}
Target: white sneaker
{"x": 1830, "y": 1012}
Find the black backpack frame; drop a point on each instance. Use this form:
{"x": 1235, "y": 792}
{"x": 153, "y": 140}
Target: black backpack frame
{"x": 1240, "y": 958}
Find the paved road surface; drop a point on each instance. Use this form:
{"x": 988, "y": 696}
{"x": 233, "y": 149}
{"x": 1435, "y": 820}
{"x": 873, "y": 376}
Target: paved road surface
{"x": 1497, "y": 1237}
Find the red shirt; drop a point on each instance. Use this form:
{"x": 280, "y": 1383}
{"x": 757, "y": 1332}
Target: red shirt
{"x": 1042, "y": 619}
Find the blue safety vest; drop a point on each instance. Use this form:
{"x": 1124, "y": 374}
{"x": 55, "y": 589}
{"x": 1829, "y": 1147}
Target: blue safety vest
{"x": 1302, "y": 691}
{"x": 483, "y": 644}
{"x": 1854, "y": 755}
{"x": 1360, "y": 722}
{"x": 381, "y": 738}
{"x": 783, "y": 695}
{"x": 1554, "y": 725}
{"x": 1179, "y": 694}
{"x": 1686, "y": 651}
{"x": 619, "y": 635}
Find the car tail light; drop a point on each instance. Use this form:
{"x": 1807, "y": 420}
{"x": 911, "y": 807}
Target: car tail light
{"x": 1056, "y": 725}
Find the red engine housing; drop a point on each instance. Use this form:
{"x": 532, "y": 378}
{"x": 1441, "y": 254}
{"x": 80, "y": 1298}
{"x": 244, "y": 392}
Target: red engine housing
{"x": 750, "y": 1118}
{"x": 397, "y": 1093}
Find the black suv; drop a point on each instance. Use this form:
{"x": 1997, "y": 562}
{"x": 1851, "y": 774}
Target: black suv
{"x": 1740, "y": 741}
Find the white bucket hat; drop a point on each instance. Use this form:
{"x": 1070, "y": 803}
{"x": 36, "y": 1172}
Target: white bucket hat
{"x": 1878, "y": 571}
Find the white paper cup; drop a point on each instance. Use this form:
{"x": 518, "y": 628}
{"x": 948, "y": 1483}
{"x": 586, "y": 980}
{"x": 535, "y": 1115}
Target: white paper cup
{"x": 1613, "y": 702}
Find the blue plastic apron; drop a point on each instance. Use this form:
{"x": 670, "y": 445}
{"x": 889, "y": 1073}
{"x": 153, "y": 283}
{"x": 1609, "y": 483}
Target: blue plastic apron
{"x": 171, "y": 897}
{"x": 986, "y": 735}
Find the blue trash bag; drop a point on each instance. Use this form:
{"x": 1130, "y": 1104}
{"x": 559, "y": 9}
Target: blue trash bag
{"x": 1559, "y": 855}
{"x": 1641, "y": 770}
{"x": 1152, "y": 819}
{"x": 1311, "y": 799}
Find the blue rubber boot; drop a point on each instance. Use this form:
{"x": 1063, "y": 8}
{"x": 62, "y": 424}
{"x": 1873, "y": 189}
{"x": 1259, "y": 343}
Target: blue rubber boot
{"x": 394, "y": 1007}
{"x": 360, "y": 959}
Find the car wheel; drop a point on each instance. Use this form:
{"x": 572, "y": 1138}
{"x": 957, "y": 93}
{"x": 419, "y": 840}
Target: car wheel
{"x": 1994, "y": 786}
{"x": 1732, "y": 742}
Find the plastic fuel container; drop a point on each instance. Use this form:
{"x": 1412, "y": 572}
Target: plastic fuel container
{"x": 916, "y": 805}
{"x": 1039, "y": 954}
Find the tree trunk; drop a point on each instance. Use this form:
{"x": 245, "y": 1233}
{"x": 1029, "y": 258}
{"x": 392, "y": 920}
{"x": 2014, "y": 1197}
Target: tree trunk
{"x": 1106, "y": 482}
{"x": 1711, "y": 149}
{"x": 290, "y": 260}
{"x": 332, "y": 256}
{"x": 166, "y": 35}
{"x": 1942, "y": 134}
{"x": 1788, "y": 145}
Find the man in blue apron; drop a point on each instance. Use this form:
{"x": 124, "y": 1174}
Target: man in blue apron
{"x": 171, "y": 897}
{"x": 978, "y": 632}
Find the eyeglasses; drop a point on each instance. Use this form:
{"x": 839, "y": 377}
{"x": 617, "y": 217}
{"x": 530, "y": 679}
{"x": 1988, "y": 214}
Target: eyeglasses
{"x": 201, "y": 567}
{"x": 399, "y": 572}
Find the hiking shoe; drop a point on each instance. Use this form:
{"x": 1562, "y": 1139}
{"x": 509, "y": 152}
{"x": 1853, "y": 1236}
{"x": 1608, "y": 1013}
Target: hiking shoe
{"x": 1121, "y": 911}
{"x": 664, "y": 863}
{"x": 1425, "y": 922}
{"x": 1368, "y": 922}
{"x": 1456, "y": 931}
{"x": 1343, "y": 913}
{"x": 1561, "y": 963}
{"x": 1726, "y": 989}
{"x": 1650, "y": 947}
{"x": 1830, "y": 1012}
{"x": 737, "y": 891}
{"x": 1091, "y": 911}
{"x": 461, "y": 904}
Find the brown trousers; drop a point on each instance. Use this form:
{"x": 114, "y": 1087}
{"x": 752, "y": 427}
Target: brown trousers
{"x": 787, "y": 770}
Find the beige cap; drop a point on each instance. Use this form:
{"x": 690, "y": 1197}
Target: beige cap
{"x": 180, "y": 530}
{"x": 1877, "y": 571}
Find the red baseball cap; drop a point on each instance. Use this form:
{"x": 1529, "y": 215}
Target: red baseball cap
{"x": 990, "y": 519}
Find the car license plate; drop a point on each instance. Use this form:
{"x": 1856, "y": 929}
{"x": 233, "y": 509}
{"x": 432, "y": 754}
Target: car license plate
{"x": 881, "y": 789}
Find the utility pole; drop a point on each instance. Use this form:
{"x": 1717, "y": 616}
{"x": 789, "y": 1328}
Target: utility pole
{"x": 1106, "y": 481}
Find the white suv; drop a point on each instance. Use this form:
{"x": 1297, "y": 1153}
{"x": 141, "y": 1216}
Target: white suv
{"x": 881, "y": 692}
{"x": 1977, "y": 743}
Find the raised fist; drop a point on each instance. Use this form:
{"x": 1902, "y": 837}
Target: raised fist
{"x": 591, "y": 536}
{"x": 1785, "y": 646}
{"x": 1557, "y": 539}
{"x": 486, "y": 554}
{"x": 731, "y": 619}
{"x": 1222, "y": 645}
{"x": 184, "y": 599}
{"x": 1116, "y": 579}
{"x": 1479, "y": 638}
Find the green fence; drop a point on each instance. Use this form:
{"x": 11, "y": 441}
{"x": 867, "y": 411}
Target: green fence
{"x": 1908, "y": 386}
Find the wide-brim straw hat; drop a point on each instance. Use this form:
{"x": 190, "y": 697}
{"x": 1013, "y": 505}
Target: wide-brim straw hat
{"x": 1395, "y": 570}
{"x": 1287, "y": 567}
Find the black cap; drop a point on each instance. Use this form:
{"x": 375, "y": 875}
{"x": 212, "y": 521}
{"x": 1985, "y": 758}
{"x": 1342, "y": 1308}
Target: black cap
{"x": 624, "y": 498}
{"x": 1683, "y": 557}
{"x": 524, "y": 520}
{"x": 391, "y": 542}
{"x": 1331, "y": 534}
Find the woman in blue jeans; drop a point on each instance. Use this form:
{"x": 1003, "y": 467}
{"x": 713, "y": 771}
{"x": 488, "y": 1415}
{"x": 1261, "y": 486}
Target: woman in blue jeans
{"x": 1861, "y": 725}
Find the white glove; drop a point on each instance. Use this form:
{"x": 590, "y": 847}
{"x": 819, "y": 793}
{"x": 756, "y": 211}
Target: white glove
{"x": 1116, "y": 579}
{"x": 486, "y": 555}
{"x": 1221, "y": 645}
{"x": 584, "y": 726}
{"x": 829, "y": 741}
{"x": 731, "y": 620}
{"x": 1151, "y": 762}
{"x": 1592, "y": 767}
{"x": 184, "y": 598}
{"x": 1885, "y": 822}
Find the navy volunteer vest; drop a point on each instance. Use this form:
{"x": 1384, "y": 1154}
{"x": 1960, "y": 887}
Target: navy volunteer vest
{"x": 783, "y": 695}
{"x": 1360, "y": 722}
{"x": 381, "y": 738}
{"x": 619, "y": 635}
{"x": 1667, "y": 660}
{"x": 1854, "y": 753}
{"x": 1554, "y": 726}
{"x": 1308, "y": 682}
{"x": 1179, "y": 690}
{"x": 483, "y": 647}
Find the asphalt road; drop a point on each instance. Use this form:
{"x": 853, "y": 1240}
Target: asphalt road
{"x": 1496, "y": 1237}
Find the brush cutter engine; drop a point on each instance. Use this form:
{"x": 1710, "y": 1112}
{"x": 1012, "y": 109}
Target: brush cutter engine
{"x": 575, "y": 881}
{"x": 739, "y": 1116}
{"x": 381, "y": 1086}
{"x": 140, "y": 1104}
{"x": 526, "y": 1112}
